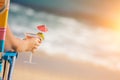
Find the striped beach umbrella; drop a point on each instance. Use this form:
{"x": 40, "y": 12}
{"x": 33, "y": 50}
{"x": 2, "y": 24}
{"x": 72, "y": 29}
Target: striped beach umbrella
{"x": 4, "y": 8}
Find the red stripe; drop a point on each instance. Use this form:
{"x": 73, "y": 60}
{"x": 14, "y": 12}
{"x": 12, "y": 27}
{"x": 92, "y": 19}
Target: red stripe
{"x": 2, "y": 33}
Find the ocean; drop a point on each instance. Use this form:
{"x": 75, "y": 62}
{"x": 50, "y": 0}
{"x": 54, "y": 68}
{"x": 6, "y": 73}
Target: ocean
{"x": 68, "y": 36}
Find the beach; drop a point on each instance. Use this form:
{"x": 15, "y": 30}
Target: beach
{"x": 57, "y": 68}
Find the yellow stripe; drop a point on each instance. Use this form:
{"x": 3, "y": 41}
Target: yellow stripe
{"x": 3, "y": 19}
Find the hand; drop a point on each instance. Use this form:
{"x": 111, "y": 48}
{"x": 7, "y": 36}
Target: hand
{"x": 29, "y": 44}
{"x": 33, "y": 44}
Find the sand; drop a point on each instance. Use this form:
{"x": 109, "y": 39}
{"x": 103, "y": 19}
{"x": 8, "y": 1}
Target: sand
{"x": 58, "y": 68}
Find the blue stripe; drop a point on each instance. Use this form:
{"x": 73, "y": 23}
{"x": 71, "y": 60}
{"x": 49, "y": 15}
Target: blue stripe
{"x": 2, "y": 42}
{"x": 1, "y": 67}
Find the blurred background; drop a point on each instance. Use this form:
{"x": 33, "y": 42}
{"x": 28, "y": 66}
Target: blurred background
{"x": 82, "y": 43}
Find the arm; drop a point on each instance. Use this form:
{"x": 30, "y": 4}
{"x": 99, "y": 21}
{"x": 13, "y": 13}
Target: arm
{"x": 15, "y": 44}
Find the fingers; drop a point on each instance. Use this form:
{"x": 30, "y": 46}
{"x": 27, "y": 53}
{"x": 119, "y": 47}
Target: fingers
{"x": 28, "y": 45}
{"x": 35, "y": 43}
{"x": 35, "y": 47}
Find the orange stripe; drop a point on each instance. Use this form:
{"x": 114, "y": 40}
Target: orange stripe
{"x": 3, "y": 19}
